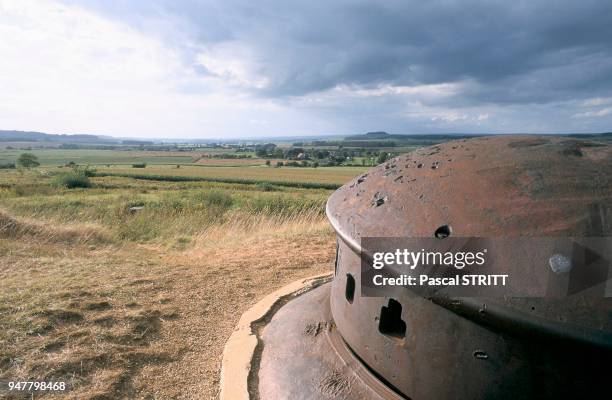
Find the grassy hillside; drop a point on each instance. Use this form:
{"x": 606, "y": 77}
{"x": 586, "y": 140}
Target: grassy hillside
{"x": 130, "y": 288}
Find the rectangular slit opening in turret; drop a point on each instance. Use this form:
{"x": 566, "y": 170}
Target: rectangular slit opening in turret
{"x": 350, "y": 288}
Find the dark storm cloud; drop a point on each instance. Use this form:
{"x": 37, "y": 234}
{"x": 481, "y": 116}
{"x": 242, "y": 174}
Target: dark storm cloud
{"x": 510, "y": 52}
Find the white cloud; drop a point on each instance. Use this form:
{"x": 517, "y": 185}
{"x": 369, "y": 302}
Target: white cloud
{"x": 598, "y": 101}
{"x": 426, "y": 91}
{"x": 449, "y": 116}
{"x": 66, "y": 69}
{"x": 234, "y": 64}
{"x": 70, "y": 69}
{"x": 594, "y": 113}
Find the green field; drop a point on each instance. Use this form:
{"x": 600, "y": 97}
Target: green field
{"x": 178, "y": 166}
{"x": 331, "y": 175}
{"x": 48, "y": 157}
{"x": 166, "y": 189}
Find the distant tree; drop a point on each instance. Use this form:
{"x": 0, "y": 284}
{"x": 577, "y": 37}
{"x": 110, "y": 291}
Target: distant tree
{"x": 27, "y": 160}
{"x": 321, "y": 154}
{"x": 265, "y": 150}
{"x": 382, "y": 157}
{"x": 293, "y": 153}
{"x": 315, "y": 164}
{"x": 279, "y": 164}
{"x": 276, "y": 153}
{"x": 268, "y": 163}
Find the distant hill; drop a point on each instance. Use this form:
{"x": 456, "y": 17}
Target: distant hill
{"x": 604, "y": 135}
{"x": 381, "y": 135}
{"x": 24, "y": 136}
{"x": 377, "y": 135}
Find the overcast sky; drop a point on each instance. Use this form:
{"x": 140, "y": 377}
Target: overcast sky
{"x": 226, "y": 68}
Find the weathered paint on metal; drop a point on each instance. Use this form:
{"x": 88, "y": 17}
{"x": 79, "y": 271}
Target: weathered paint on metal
{"x": 510, "y": 186}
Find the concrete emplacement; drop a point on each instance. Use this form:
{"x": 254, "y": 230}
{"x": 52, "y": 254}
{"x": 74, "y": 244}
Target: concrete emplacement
{"x": 242, "y": 352}
{"x": 286, "y": 347}
{"x": 320, "y": 339}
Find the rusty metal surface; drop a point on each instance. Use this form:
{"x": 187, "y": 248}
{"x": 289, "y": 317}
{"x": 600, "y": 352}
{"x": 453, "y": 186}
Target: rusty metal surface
{"x": 304, "y": 358}
{"x": 474, "y": 348}
{"x": 492, "y": 186}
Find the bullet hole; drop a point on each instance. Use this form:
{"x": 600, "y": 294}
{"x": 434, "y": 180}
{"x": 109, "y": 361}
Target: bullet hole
{"x": 360, "y": 180}
{"x": 391, "y": 323}
{"x": 480, "y": 355}
{"x": 379, "y": 199}
{"x": 349, "y": 293}
{"x": 443, "y": 232}
{"x": 420, "y": 165}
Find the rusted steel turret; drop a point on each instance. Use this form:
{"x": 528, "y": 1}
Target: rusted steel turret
{"x": 486, "y": 187}
{"x": 333, "y": 342}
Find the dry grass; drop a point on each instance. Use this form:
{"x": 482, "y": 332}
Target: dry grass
{"x": 138, "y": 304}
{"x": 25, "y": 229}
{"x": 142, "y": 320}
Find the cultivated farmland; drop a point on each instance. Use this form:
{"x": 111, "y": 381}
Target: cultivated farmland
{"x": 129, "y": 287}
